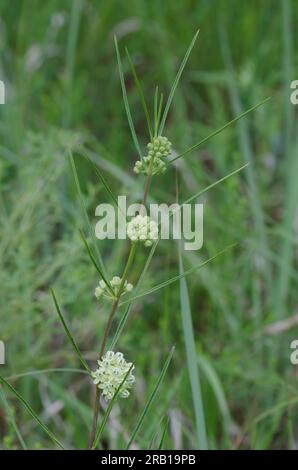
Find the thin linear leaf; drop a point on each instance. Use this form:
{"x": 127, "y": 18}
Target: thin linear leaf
{"x": 31, "y": 411}
{"x": 212, "y": 185}
{"x": 100, "y": 177}
{"x": 151, "y": 398}
{"x": 218, "y": 131}
{"x": 179, "y": 276}
{"x": 125, "y": 99}
{"x": 108, "y": 411}
{"x": 159, "y": 110}
{"x": 84, "y": 210}
{"x": 100, "y": 272}
{"x": 141, "y": 93}
{"x": 68, "y": 333}
{"x": 155, "y": 111}
{"x": 127, "y": 312}
{"x": 191, "y": 356}
{"x": 46, "y": 371}
{"x": 176, "y": 81}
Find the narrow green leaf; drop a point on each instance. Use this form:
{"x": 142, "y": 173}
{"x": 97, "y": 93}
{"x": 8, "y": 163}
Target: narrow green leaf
{"x": 155, "y": 111}
{"x": 68, "y": 333}
{"x": 125, "y": 99}
{"x": 218, "y": 131}
{"x": 179, "y": 276}
{"x": 212, "y": 185}
{"x": 215, "y": 384}
{"x": 141, "y": 93}
{"x": 128, "y": 309}
{"x": 176, "y": 81}
{"x": 100, "y": 177}
{"x": 151, "y": 398}
{"x": 108, "y": 411}
{"x": 191, "y": 356}
{"x": 159, "y": 112}
{"x": 92, "y": 258}
{"x": 31, "y": 411}
{"x": 84, "y": 210}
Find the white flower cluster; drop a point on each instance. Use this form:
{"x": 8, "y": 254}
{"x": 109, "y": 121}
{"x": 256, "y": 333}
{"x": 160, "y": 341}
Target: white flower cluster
{"x": 103, "y": 291}
{"x": 142, "y": 229}
{"x": 111, "y": 372}
{"x": 159, "y": 148}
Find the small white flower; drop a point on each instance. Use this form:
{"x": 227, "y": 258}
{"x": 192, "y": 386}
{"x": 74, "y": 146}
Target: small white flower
{"x": 111, "y": 372}
{"x": 142, "y": 229}
{"x": 103, "y": 291}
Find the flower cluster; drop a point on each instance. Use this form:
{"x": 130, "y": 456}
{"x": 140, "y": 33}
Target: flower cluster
{"x": 142, "y": 229}
{"x": 153, "y": 163}
{"x": 103, "y": 290}
{"x": 111, "y": 372}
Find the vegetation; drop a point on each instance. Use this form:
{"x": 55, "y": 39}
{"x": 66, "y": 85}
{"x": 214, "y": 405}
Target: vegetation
{"x": 229, "y": 309}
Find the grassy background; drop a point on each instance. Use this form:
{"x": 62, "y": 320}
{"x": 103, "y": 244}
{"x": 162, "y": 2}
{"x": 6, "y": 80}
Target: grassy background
{"x": 62, "y": 86}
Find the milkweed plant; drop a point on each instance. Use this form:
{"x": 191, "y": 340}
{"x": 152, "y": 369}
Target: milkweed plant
{"x": 114, "y": 375}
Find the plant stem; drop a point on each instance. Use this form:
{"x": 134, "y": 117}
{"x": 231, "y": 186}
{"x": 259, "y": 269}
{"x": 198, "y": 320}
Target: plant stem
{"x": 147, "y": 186}
{"x": 105, "y": 338}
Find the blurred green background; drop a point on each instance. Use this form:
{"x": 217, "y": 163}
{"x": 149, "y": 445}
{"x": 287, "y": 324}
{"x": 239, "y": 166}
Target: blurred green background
{"x": 58, "y": 63}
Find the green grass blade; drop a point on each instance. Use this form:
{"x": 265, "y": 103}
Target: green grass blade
{"x": 247, "y": 150}
{"x": 176, "y": 81}
{"x": 68, "y": 333}
{"x": 215, "y": 384}
{"x": 283, "y": 283}
{"x": 218, "y": 131}
{"x": 92, "y": 258}
{"x": 179, "y": 276}
{"x": 192, "y": 365}
{"x": 165, "y": 428}
{"x": 108, "y": 411}
{"x": 31, "y": 411}
{"x": 141, "y": 93}
{"x": 151, "y": 398}
{"x": 11, "y": 419}
{"x": 125, "y": 100}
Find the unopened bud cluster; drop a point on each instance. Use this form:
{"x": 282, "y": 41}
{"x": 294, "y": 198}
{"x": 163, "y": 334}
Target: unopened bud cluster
{"x": 103, "y": 290}
{"x": 142, "y": 229}
{"x": 153, "y": 163}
